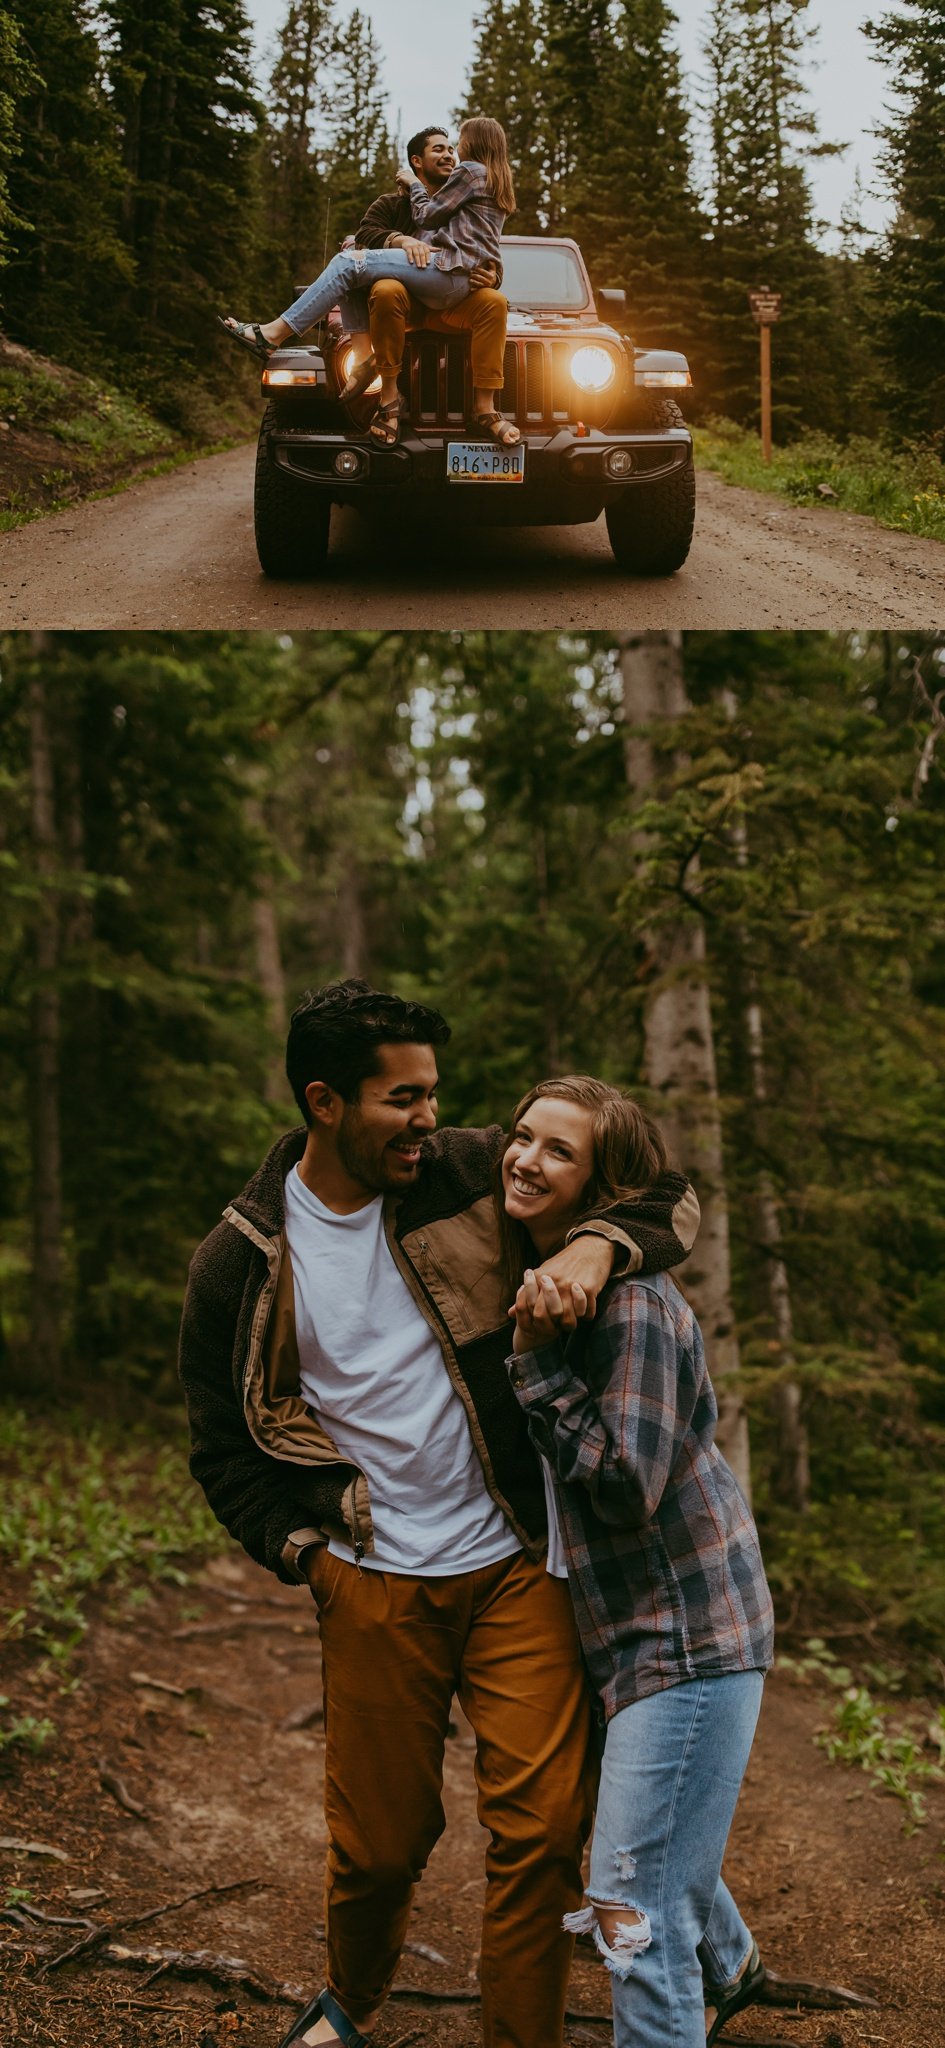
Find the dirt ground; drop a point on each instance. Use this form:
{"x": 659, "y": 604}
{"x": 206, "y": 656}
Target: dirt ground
{"x": 230, "y": 1795}
{"x": 177, "y": 553}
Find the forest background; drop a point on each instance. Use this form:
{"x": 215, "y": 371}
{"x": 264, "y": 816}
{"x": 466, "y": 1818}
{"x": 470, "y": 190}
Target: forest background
{"x": 708, "y": 869}
{"x": 148, "y": 178}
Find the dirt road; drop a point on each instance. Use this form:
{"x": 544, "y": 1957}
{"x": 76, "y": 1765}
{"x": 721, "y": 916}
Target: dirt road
{"x": 177, "y": 552}
{"x": 192, "y": 1708}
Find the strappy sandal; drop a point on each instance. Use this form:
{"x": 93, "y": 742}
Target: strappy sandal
{"x": 726, "y": 2003}
{"x": 324, "y": 2008}
{"x": 385, "y": 426}
{"x": 249, "y": 335}
{"x": 361, "y": 376}
{"x": 495, "y": 428}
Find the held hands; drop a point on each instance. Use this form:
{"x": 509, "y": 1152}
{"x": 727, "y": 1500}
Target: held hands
{"x": 554, "y": 1299}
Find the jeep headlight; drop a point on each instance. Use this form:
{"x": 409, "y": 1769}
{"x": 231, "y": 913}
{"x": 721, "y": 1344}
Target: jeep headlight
{"x": 593, "y": 369}
{"x": 346, "y": 365}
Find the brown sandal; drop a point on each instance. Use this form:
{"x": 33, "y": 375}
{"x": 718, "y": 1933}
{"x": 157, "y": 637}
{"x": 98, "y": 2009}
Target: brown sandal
{"x": 492, "y": 424}
{"x": 385, "y": 426}
{"x": 356, "y": 385}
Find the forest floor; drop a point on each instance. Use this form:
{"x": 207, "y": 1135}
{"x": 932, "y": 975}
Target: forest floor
{"x": 176, "y": 552}
{"x": 190, "y": 1756}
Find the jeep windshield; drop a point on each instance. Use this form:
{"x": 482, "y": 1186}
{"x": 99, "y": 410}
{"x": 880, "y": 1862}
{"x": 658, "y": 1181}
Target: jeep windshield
{"x": 546, "y": 277}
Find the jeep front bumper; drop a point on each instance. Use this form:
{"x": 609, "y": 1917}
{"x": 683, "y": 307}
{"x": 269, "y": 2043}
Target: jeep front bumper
{"x": 566, "y": 480}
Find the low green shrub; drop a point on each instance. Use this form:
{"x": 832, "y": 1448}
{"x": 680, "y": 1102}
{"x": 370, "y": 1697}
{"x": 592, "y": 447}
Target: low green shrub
{"x": 902, "y": 488}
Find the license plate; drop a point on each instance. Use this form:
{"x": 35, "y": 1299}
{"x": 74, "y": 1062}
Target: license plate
{"x": 483, "y": 462}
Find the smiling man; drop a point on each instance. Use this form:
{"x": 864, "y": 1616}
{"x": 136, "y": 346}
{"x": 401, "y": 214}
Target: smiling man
{"x": 343, "y": 1357}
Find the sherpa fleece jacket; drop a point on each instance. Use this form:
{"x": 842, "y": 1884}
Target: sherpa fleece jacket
{"x": 269, "y": 1470}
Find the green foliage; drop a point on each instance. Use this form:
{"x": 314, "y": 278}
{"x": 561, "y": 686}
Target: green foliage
{"x": 911, "y": 262}
{"x": 902, "y": 488}
{"x": 238, "y": 817}
{"x": 88, "y": 1507}
{"x": 25, "y": 1732}
{"x": 861, "y": 1737}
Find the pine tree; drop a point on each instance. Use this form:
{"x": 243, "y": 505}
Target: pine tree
{"x": 652, "y": 239}
{"x": 911, "y": 325}
{"x": 294, "y": 143}
{"x": 507, "y": 80}
{"x": 64, "y": 181}
{"x": 181, "y": 76}
{"x": 16, "y": 79}
{"x": 762, "y": 131}
{"x": 359, "y": 148}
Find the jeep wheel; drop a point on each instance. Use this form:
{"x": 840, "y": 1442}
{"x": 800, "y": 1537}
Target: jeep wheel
{"x": 651, "y": 526}
{"x": 292, "y": 519}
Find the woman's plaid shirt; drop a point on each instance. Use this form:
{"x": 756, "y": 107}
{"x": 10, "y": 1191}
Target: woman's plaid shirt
{"x": 663, "y": 1559}
{"x": 461, "y": 220}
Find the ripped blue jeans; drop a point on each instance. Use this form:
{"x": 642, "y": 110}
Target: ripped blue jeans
{"x": 672, "y": 1769}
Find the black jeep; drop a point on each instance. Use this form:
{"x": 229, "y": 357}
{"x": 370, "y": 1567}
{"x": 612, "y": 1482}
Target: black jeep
{"x": 600, "y": 432}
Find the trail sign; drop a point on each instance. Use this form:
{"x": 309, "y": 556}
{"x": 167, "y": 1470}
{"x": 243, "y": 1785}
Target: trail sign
{"x": 766, "y": 307}
{"x": 766, "y": 310}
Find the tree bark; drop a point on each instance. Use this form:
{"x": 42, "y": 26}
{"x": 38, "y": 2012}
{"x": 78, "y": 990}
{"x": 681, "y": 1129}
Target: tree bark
{"x": 792, "y": 1454}
{"x": 679, "y": 1046}
{"x": 46, "y": 1288}
{"x": 269, "y": 968}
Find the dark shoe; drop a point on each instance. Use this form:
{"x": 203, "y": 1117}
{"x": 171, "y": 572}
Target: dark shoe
{"x": 324, "y": 2008}
{"x": 745, "y": 1992}
{"x": 492, "y": 427}
{"x": 385, "y": 426}
{"x": 249, "y": 335}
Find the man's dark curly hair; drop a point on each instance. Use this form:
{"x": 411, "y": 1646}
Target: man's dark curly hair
{"x": 418, "y": 142}
{"x": 335, "y": 1033}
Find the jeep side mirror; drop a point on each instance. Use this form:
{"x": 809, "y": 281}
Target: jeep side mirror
{"x": 615, "y": 301}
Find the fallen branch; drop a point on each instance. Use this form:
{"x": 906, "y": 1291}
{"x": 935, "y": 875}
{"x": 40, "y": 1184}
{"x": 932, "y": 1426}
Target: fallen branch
{"x": 787, "y": 1991}
{"x": 20, "y": 1916}
{"x": 302, "y": 1717}
{"x": 102, "y": 1933}
{"x": 32, "y": 1848}
{"x": 119, "y": 1790}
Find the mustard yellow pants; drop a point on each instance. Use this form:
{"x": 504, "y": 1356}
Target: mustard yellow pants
{"x": 481, "y": 314}
{"x": 394, "y": 1651}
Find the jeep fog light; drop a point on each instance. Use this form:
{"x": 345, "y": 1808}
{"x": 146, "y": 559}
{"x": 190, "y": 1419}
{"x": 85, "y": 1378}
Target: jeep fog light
{"x": 665, "y": 380}
{"x": 593, "y": 369}
{"x": 279, "y": 379}
{"x": 348, "y": 462}
{"x": 619, "y": 461}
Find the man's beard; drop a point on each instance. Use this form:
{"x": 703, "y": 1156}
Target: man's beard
{"x": 363, "y": 1158}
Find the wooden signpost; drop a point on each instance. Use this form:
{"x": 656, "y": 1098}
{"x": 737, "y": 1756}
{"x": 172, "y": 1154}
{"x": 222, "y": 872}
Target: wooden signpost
{"x": 766, "y": 309}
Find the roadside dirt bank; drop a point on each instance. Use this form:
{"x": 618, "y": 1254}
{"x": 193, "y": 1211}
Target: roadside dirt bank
{"x": 190, "y": 1708}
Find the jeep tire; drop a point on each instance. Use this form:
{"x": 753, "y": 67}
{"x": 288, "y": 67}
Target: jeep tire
{"x": 651, "y": 525}
{"x": 292, "y": 519}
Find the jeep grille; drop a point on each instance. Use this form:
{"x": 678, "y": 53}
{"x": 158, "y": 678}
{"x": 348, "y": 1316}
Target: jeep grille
{"x": 537, "y": 392}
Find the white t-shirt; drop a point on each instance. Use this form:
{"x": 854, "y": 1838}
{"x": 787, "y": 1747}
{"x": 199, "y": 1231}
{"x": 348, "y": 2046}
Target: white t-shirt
{"x": 375, "y": 1376}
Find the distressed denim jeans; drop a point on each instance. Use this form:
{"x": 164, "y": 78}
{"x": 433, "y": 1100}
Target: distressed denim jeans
{"x": 672, "y": 1770}
{"x": 348, "y": 279}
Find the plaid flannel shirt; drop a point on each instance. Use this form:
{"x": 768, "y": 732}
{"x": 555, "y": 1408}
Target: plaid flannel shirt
{"x": 662, "y": 1552}
{"x": 461, "y": 222}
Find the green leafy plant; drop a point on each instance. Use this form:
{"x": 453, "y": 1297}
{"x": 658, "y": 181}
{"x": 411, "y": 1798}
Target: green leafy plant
{"x": 861, "y": 1737}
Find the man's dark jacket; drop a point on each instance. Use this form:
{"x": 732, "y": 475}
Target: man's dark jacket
{"x": 269, "y": 1470}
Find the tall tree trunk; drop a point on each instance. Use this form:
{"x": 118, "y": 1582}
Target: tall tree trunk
{"x": 46, "y": 1297}
{"x": 792, "y": 1456}
{"x": 679, "y": 1047}
{"x": 351, "y": 922}
{"x": 269, "y": 968}
{"x": 551, "y": 1033}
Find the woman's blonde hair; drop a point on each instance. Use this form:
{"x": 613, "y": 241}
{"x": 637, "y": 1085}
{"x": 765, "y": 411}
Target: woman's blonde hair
{"x": 486, "y": 144}
{"x": 628, "y": 1156}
